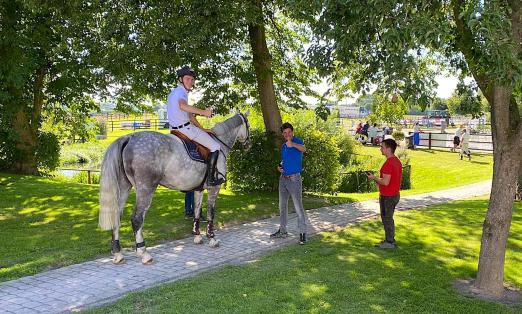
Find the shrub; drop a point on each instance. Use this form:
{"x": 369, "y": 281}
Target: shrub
{"x": 88, "y": 154}
{"x": 255, "y": 170}
{"x": 321, "y": 165}
{"x": 406, "y": 177}
{"x": 101, "y": 127}
{"x": 346, "y": 145}
{"x": 356, "y": 182}
{"x": 354, "y": 178}
{"x": 48, "y": 151}
{"x": 83, "y": 177}
{"x": 398, "y": 135}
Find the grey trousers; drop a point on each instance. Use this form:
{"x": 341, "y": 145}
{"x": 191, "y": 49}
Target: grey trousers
{"x": 387, "y": 205}
{"x": 291, "y": 186}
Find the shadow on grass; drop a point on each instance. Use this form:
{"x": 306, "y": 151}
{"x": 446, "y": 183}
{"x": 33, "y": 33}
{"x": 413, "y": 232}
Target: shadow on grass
{"x": 343, "y": 273}
{"x": 48, "y": 224}
{"x": 480, "y": 162}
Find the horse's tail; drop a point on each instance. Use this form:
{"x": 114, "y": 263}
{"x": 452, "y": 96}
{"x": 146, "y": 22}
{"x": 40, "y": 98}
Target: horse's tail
{"x": 111, "y": 172}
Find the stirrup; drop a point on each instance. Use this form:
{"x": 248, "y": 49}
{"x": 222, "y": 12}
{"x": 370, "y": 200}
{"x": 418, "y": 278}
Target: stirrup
{"x": 215, "y": 181}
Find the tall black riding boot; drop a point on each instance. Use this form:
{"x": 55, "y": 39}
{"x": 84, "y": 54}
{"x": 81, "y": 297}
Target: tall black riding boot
{"x": 212, "y": 174}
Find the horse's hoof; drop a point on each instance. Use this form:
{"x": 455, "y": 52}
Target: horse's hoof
{"x": 118, "y": 259}
{"x": 213, "y": 243}
{"x": 198, "y": 239}
{"x": 146, "y": 258}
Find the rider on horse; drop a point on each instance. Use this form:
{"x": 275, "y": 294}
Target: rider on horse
{"x": 181, "y": 118}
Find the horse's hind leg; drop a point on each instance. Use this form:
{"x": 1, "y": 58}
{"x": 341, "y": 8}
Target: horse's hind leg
{"x": 143, "y": 200}
{"x": 116, "y": 248}
{"x": 198, "y": 200}
{"x": 213, "y": 192}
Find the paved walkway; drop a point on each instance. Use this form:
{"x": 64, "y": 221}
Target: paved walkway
{"x": 99, "y": 281}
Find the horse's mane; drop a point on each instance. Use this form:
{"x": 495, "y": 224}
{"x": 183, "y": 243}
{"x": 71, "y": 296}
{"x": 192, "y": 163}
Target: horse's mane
{"x": 228, "y": 125}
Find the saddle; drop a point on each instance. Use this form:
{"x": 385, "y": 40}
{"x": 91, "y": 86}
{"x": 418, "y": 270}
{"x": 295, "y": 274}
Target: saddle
{"x": 196, "y": 151}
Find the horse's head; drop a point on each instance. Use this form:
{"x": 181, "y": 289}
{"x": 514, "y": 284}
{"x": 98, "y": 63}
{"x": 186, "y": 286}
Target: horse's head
{"x": 244, "y": 133}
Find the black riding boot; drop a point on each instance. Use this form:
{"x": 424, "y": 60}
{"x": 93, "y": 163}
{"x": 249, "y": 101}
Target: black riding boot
{"x": 212, "y": 173}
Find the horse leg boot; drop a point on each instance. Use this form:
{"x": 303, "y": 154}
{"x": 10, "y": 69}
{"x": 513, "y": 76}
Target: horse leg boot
{"x": 141, "y": 250}
{"x": 212, "y": 173}
{"x": 195, "y": 231}
{"x": 116, "y": 248}
{"x": 210, "y": 234}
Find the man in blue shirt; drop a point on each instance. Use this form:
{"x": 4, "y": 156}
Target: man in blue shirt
{"x": 290, "y": 182}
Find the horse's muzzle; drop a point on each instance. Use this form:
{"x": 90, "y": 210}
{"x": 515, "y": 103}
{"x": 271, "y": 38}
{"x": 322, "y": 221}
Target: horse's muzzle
{"x": 247, "y": 145}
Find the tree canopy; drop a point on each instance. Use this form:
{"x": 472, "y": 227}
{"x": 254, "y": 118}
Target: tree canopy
{"x": 397, "y": 45}
{"x": 56, "y": 55}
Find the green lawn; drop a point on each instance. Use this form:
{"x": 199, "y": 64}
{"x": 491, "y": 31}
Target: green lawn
{"x": 49, "y": 224}
{"x": 439, "y": 169}
{"x": 343, "y": 273}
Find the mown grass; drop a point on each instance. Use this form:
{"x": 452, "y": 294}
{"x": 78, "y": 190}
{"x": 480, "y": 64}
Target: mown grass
{"x": 343, "y": 273}
{"x": 437, "y": 169}
{"x": 49, "y": 224}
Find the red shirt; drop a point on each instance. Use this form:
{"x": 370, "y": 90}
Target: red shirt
{"x": 393, "y": 167}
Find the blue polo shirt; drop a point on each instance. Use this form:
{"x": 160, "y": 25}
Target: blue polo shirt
{"x": 292, "y": 158}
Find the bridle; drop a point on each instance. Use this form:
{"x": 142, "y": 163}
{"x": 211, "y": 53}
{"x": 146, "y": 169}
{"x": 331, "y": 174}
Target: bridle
{"x": 247, "y": 140}
{"x": 246, "y": 143}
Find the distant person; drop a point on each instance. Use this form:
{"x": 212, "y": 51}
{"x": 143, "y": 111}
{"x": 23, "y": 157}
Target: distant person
{"x": 372, "y": 133}
{"x": 290, "y": 183}
{"x": 416, "y": 135}
{"x": 389, "y": 183}
{"x": 385, "y": 131}
{"x": 443, "y": 126}
{"x": 365, "y": 128}
{"x": 456, "y": 138}
{"x": 464, "y": 144}
{"x": 358, "y": 129}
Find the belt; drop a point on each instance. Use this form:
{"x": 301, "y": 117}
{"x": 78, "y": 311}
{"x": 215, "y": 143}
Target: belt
{"x": 291, "y": 176}
{"x": 180, "y": 126}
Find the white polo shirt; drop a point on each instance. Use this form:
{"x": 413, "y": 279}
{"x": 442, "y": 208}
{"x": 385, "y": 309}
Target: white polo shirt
{"x": 175, "y": 115}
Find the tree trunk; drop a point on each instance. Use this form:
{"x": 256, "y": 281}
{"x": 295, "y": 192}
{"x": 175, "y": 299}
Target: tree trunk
{"x": 519, "y": 185}
{"x": 26, "y": 123}
{"x": 506, "y": 167}
{"x": 27, "y": 143}
{"x": 263, "y": 69}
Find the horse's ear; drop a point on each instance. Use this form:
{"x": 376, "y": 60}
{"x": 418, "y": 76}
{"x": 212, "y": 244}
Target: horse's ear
{"x": 247, "y": 113}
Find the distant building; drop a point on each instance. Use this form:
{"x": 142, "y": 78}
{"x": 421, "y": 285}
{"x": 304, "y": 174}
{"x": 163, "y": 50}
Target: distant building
{"x": 107, "y": 107}
{"x": 353, "y": 112}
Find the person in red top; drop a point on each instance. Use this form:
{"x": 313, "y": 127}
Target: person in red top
{"x": 389, "y": 183}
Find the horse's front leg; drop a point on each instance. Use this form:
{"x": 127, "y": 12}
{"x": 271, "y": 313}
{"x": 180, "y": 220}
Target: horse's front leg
{"x": 198, "y": 200}
{"x": 143, "y": 200}
{"x": 213, "y": 192}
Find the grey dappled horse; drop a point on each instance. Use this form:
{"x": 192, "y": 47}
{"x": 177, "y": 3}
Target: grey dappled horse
{"x": 146, "y": 160}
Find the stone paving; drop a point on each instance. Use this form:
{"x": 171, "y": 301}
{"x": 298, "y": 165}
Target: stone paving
{"x": 92, "y": 283}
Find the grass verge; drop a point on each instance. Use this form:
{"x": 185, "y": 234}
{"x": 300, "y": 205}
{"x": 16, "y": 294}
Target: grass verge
{"x": 52, "y": 224}
{"x": 343, "y": 273}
